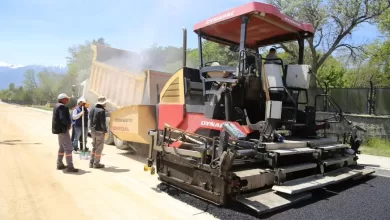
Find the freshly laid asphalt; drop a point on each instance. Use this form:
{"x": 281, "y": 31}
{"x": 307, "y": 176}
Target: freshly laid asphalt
{"x": 364, "y": 199}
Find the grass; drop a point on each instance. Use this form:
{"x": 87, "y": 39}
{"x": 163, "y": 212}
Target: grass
{"x": 377, "y": 147}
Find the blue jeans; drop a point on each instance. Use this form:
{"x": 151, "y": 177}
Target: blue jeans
{"x": 77, "y": 135}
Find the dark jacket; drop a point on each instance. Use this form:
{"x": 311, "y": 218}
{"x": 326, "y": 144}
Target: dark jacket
{"x": 97, "y": 117}
{"x": 61, "y": 119}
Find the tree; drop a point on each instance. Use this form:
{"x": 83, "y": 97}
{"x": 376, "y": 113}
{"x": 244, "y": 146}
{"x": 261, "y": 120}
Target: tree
{"x": 30, "y": 82}
{"x": 11, "y": 87}
{"x": 384, "y": 23}
{"x": 49, "y": 85}
{"x": 80, "y": 60}
{"x": 332, "y": 73}
{"x": 213, "y": 52}
{"x": 334, "y": 22}
{"x": 375, "y": 64}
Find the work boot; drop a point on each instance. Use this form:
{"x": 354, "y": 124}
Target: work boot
{"x": 61, "y": 167}
{"x": 72, "y": 170}
{"x": 98, "y": 166}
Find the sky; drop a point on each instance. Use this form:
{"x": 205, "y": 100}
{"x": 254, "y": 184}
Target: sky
{"x": 39, "y": 32}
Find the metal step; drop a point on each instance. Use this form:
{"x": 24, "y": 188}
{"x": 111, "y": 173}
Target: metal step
{"x": 298, "y": 167}
{"x": 337, "y": 160}
{"x": 291, "y": 151}
{"x": 332, "y": 147}
{"x": 288, "y": 144}
{"x": 269, "y": 200}
{"x": 319, "y": 181}
{"x": 322, "y": 141}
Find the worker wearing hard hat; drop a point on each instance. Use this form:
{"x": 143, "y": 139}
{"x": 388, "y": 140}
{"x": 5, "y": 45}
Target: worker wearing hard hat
{"x": 80, "y": 113}
{"x": 98, "y": 127}
{"x": 73, "y": 130}
{"x": 61, "y": 125}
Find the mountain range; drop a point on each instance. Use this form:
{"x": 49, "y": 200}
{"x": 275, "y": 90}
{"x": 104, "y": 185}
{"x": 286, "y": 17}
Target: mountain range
{"x": 10, "y": 73}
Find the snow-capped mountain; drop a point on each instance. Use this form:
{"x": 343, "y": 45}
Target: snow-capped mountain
{"x": 11, "y": 73}
{"x": 12, "y": 66}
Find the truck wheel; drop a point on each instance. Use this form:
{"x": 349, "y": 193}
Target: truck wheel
{"x": 121, "y": 145}
{"x": 108, "y": 137}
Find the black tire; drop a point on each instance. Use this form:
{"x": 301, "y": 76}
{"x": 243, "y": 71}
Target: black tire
{"x": 120, "y": 144}
{"x": 140, "y": 149}
{"x": 109, "y": 137}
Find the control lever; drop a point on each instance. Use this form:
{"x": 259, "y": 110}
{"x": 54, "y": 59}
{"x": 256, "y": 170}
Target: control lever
{"x": 259, "y": 126}
{"x": 359, "y": 128}
{"x": 348, "y": 121}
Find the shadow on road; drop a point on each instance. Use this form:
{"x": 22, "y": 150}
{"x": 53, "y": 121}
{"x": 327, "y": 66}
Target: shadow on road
{"x": 16, "y": 142}
{"x": 113, "y": 169}
{"x": 81, "y": 172}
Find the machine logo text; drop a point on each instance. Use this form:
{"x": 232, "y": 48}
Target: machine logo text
{"x": 211, "y": 124}
{"x": 220, "y": 17}
{"x": 292, "y": 21}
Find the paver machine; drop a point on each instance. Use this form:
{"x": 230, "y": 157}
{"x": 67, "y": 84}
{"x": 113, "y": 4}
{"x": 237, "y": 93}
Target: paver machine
{"x": 243, "y": 132}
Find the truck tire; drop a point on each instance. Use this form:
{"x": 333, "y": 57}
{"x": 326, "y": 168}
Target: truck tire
{"x": 108, "y": 137}
{"x": 120, "y": 144}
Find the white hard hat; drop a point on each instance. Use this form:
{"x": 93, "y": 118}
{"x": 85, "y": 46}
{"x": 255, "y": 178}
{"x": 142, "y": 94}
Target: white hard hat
{"x": 63, "y": 96}
{"x": 101, "y": 100}
{"x": 81, "y": 99}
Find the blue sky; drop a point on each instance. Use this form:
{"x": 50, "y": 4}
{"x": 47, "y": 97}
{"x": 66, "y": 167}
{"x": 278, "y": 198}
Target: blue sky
{"x": 40, "y": 31}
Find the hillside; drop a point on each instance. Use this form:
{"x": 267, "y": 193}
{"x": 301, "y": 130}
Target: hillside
{"x": 15, "y": 73}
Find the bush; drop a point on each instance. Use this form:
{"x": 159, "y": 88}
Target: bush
{"x": 376, "y": 146}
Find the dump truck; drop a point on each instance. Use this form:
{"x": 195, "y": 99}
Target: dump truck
{"x": 130, "y": 124}
{"x": 119, "y": 76}
{"x": 243, "y": 133}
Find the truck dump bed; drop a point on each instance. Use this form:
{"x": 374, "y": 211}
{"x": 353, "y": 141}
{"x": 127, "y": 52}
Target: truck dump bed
{"x": 131, "y": 91}
{"x": 118, "y": 75}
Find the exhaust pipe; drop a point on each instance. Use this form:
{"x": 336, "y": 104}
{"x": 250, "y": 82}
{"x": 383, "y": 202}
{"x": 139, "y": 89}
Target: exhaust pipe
{"x": 184, "y": 47}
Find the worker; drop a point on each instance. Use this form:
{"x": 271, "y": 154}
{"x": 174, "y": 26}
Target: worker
{"x": 79, "y": 112}
{"x": 61, "y": 125}
{"x": 272, "y": 55}
{"x": 73, "y": 131}
{"x": 98, "y": 128}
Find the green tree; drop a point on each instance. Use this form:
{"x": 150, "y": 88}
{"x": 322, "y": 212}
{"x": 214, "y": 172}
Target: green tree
{"x": 332, "y": 73}
{"x": 30, "y": 82}
{"x": 334, "y": 22}
{"x": 213, "y": 52}
{"x": 375, "y": 65}
{"x": 11, "y": 87}
{"x": 49, "y": 85}
{"x": 80, "y": 62}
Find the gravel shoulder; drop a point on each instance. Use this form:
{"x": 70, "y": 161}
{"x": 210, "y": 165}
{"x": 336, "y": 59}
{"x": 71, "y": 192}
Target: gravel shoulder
{"x": 32, "y": 188}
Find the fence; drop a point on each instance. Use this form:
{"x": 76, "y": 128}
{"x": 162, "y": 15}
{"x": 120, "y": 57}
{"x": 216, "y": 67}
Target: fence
{"x": 371, "y": 101}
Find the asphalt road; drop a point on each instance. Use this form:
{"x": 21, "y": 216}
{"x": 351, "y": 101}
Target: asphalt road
{"x": 31, "y": 188}
{"x": 363, "y": 199}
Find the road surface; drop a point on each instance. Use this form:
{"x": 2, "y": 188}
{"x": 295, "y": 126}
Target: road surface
{"x": 32, "y": 188}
